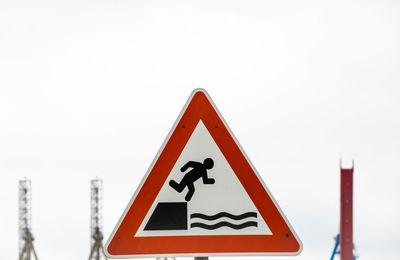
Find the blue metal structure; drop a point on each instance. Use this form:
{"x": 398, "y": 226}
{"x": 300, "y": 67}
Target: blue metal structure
{"x": 335, "y": 248}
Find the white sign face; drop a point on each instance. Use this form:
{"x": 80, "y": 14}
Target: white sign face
{"x": 202, "y": 196}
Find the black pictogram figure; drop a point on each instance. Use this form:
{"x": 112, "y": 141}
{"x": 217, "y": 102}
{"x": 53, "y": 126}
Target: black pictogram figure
{"x": 199, "y": 171}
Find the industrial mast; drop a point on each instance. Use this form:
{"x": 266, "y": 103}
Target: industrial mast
{"x": 26, "y": 247}
{"x": 344, "y": 240}
{"x": 96, "y": 220}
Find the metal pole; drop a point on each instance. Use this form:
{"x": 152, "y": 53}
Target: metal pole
{"x": 346, "y": 213}
{"x": 201, "y": 258}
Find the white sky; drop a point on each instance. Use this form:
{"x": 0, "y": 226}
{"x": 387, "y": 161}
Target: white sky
{"x": 91, "y": 88}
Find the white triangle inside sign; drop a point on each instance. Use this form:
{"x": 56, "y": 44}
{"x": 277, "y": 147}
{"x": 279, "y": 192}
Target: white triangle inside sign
{"x": 217, "y": 203}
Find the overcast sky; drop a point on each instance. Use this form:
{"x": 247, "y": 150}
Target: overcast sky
{"x": 91, "y": 88}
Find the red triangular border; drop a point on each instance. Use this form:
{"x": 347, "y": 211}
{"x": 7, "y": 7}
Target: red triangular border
{"x": 123, "y": 243}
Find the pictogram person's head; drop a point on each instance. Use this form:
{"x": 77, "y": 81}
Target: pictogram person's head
{"x": 208, "y": 163}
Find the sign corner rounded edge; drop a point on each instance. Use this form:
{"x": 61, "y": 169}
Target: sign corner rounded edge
{"x": 199, "y": 90}
{"x": 107, "y": 253}
{"x": 298, "y": 252}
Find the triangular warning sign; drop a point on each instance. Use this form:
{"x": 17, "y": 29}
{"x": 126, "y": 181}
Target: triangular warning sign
{"x": 201, "y": 197}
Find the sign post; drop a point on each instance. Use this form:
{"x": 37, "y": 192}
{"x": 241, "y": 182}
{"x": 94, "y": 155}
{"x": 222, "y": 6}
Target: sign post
{"x": 201, "y": 258}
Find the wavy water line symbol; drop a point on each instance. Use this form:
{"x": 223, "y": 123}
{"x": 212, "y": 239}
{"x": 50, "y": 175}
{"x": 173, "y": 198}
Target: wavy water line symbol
{"x": 224, "y": 223}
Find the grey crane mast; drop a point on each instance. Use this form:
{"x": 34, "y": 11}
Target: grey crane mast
{"x": 96, "y": 220}
{"x": 26, "y": 246}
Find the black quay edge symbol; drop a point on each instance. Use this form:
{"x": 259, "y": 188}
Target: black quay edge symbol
{"x": 199, "y": 170}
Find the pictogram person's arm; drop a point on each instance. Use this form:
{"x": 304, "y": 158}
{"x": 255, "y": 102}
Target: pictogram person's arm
{"x": 207, "y": 180}
{"x": 189, "y": 164}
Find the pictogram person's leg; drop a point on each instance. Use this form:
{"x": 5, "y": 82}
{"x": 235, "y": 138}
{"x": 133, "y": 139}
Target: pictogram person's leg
{"x": 190, "y": 192}
{"x": 178, "y": 187}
